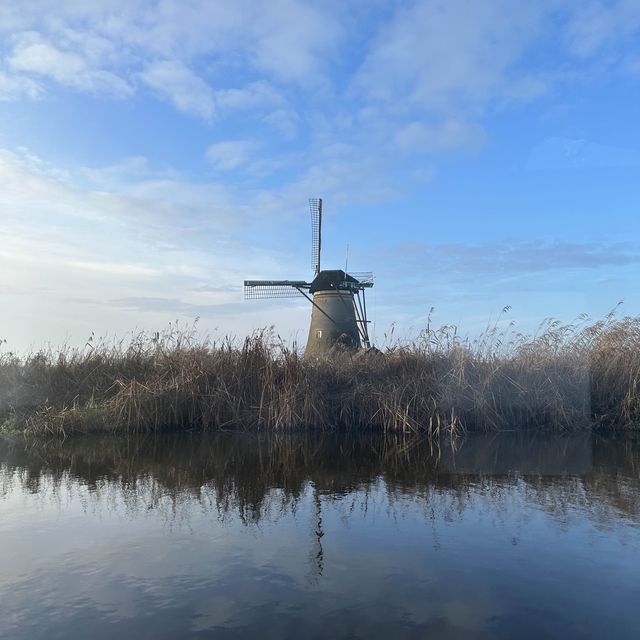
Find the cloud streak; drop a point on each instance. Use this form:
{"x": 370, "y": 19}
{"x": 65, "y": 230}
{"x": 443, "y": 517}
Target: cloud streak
{"x": 453, "y": 260}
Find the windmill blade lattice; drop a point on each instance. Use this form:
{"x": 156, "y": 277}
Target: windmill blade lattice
{"x": 315, "y": 206}
{"x": 263, "y": 289}
{"x": 364, "y": 278}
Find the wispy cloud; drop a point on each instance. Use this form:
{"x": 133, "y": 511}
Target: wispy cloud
{"x": 119, "y": 245}
{"x": 230, "y": 154}
{"x": 454, "y": 55}
{"x": 35, "y": 55}
{"x": 13, "y": 87}
{"x": 451, "y": 134}
{"x": 457, "y": 260}
{"x": 104, "y": 47}
{"x": 566, "y": 153}
{"x": 598, "y": 25}
{"x": 178, "y": 307}
{"x": 176, "y": 82}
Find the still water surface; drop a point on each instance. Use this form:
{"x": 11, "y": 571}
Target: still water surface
{"x": 310, "y": 536}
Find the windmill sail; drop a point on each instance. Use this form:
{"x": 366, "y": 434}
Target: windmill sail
{"x": 315, "y": 205}
{"x": 261, "y": 289}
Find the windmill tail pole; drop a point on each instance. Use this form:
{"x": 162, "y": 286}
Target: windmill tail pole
{"x": 318, "y": 307}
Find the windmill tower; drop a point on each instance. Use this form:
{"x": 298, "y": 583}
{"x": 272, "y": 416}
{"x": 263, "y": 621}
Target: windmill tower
{"x": 338, "y": 304}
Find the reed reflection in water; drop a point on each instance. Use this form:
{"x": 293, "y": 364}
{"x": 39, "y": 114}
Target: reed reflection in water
{"x": 320, "y": 535}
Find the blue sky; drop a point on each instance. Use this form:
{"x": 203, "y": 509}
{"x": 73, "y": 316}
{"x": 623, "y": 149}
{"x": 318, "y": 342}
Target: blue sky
{"x": 472, "y": 154}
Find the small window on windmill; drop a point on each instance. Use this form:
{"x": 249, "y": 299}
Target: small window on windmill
{"x": 318, "y": 333}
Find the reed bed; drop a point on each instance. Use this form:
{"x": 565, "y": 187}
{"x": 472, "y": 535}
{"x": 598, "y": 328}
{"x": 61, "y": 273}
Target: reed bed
{"x": 565, "y": 377}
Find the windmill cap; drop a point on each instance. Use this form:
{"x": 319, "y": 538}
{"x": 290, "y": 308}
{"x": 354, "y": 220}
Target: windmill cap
{"x": 331, "y": 280}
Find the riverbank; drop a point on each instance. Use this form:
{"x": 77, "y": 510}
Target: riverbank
{"x": 566, "y": 377}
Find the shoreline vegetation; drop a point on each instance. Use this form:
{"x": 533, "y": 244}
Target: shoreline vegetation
{"x": 565, "y": 377}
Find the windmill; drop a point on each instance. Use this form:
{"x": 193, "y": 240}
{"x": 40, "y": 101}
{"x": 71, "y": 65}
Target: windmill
{"x": 338, "y": 304}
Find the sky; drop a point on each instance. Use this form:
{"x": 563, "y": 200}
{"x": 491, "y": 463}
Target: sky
{"x": 474, "y": 155}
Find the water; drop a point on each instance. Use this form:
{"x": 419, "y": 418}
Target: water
{"x": 243, "y": 536}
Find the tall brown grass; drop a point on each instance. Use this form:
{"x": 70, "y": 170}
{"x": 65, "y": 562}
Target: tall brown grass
{"x": 564, "y": 377}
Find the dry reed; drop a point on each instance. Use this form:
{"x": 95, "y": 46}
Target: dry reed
{"x": 564, "y": 377}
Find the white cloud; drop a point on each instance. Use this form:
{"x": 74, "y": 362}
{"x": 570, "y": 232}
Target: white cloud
{"x": 447, "y": 135}
{"x": 284, "y": 120}
{"x": 450, "y": 55}
{"x": 596, "y": 24}
{"x": 427, "y": 53}
{"x": 253, "y": 95}
{"x": 96, "y": 46}
{"x": 230, "y": 154}
{"x": 294, "y": 40}
{"x": 113, "y": 268}
{"x": 34, "y": 55}
{"x": 13, "y": 87}
{"x": 174, "y": 81}
{"x": 68, "y": 252}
